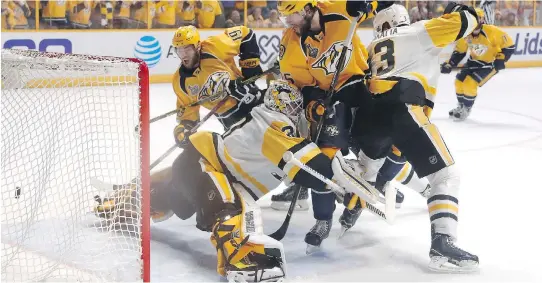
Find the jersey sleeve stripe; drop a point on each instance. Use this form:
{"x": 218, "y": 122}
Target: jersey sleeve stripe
{"x": 293, "y": 149}
{"x": 464, "y": 26}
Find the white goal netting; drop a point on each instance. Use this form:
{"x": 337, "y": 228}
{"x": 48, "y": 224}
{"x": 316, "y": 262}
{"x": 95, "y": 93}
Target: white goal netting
{"x": 68, "y": 120}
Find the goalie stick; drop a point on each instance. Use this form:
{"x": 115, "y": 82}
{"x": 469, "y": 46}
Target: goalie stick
{"x": 356, "y": 187}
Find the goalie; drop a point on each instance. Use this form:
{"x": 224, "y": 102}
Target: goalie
{"x": 240, "y": 166}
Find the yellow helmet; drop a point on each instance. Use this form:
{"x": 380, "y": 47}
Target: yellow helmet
{"x": 286, "y": 8}
{"x": 480, "y": 13}
{"x": 185, "y": 36}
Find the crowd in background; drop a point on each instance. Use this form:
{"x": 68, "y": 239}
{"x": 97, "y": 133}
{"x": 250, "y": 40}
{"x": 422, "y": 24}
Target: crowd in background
{"x": 132, "y": 14}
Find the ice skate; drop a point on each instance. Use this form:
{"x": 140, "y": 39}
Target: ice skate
{"x": 317, "y": 234}
{"x": 452, "y": 112}
{"x": 446, "y": 257}
{"x": 282, "y": 201}
{"x": 462, "y": 114}
{"x": 349, "y": 217}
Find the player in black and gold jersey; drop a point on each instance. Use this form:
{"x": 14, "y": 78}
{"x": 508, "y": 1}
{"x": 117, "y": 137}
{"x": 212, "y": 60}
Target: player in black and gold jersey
{"x": 207, "y": 68}
{"x": 490, "y": 47}
{"x": 309, "y": 52}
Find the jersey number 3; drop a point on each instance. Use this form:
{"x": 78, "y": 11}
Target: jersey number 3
{"x": 384, "y": 54}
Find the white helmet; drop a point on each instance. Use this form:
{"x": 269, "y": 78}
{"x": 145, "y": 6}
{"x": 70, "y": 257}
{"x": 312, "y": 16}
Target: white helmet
{"x": 395, "y": 15}
{"x": 285, "y": 98}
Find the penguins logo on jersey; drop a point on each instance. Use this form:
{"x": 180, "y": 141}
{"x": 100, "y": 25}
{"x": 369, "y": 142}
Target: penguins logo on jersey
{"x": 330, "y": 58}
{"x": 216, "y": 83}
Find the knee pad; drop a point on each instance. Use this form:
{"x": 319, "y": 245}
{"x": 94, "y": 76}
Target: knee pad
{"x": 370, "y": 166}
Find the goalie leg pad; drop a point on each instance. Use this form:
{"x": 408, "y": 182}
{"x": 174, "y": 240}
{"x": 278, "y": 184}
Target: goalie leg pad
{"x": 244, "y": 253}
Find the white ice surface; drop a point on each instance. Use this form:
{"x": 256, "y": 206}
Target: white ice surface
{"x": 499, "y": 153}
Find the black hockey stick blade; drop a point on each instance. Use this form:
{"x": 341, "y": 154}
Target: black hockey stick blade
{"x": 281, "y": 232}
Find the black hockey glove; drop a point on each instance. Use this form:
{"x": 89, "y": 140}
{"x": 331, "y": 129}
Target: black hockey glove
{"x": 498, "y": 64}
{"x": 354, "y": 8}
{"x": 248, "y": 94}
{"x": 181, "y": 132}
{"x": 445, "y": 68}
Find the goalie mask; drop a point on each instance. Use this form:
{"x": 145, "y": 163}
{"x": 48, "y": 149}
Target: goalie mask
{"x": 284, "y": 98}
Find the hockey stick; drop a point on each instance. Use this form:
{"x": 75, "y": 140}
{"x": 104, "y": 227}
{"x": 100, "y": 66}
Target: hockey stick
{"x": 281, "y": 232}
{"x": 474, "y": 67}
{"x": 106, "y": 187}
{"x": 340, "y": 65}
{"x": 271, "y": 70}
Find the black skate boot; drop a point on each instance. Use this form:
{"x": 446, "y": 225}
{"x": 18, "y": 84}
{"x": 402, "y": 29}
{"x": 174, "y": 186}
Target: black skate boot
{"x": 349, "y": 217}
{"x": 282, "y": 201}
{"x": 317, "y": 234}
{"x": 446, "y": 257}
{"x": 381, "y": 187}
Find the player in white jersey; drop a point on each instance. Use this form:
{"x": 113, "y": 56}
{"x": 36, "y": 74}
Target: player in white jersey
{"x": 405, "y": 70}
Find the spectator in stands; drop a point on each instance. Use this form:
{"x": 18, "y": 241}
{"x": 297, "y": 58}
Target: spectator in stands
{"x": 17, "y": 14}
{"x": 140, "y": 14}
{"x": 255, "y": 19}
{"x": 79, "y": 14}
{"x": 264, "y": 11}
{"x": 234, "y": 19}
{"x": 538, "y": 13}
{"x": 102, "y": 15}
{"x": 8, "y": 17}
{"x": 273, "y": 21}
{"x": 209, "y": 14}
{"x": 510, "y": 19}
{"x": 186, "y": 13}
{"x": 165, "y": 14}
{"x": 53, "y": 14}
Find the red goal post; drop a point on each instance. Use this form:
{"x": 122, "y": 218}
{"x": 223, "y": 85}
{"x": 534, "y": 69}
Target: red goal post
{"x": 67, "y": 119}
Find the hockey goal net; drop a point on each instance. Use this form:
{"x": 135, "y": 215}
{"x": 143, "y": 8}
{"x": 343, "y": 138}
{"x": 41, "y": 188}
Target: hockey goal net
{"x": 68, "y": 120}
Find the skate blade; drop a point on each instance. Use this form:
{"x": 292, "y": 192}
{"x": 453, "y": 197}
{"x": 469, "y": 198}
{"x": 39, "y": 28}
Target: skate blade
{"x": 301, "y": 205}
{"x": 343, "y": 231}
{"x": 442, "y": 265}
{"x": 312, "y": 249}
